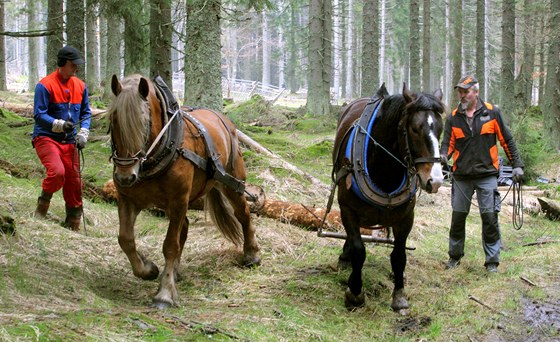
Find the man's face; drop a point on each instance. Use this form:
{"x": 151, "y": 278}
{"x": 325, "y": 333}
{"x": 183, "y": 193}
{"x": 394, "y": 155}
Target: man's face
{"x": 69, "y": 69}
{"x": 468, "y": 97}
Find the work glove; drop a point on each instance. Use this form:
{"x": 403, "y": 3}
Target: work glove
{"x": 81, "y": 138}
{"x": 517, "y": 174}
{"x": 61, "y": 126}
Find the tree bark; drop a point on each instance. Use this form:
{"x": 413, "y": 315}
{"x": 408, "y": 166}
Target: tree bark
{"x": 55, "y": 23}
{"x": 3, "y": 83}
{"x": 161, "y": 29}
{"x": 33, "y": 48}
{"x": 481, "y": 46}
{"x": 426, "y": 48}
{"x": 92, "y": 55}
{"x": 319, "y": 55}
{"x": 414, "y": 45}
{"x": 552, "y": 91}
{"x": 370, "y": 49}
{"x": 508, "y": 60}
{"x": 75, "y": 29}
{"x": 203, "y": 85}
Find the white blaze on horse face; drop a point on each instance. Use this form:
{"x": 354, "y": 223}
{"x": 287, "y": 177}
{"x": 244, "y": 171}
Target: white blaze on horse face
{"x": 437, "y": 172}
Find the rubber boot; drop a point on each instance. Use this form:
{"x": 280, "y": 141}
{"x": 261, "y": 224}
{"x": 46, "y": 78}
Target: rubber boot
{"x": 43, "y": 203}
{"x": 457, "y": 235}
{"x": 491, "y": 238}
{"x": 73, "y": 218}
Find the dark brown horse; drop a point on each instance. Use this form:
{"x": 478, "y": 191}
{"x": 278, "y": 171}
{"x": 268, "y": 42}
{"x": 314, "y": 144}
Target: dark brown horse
{"x": 384, "y": 148}
{"x": 167, "y": 158}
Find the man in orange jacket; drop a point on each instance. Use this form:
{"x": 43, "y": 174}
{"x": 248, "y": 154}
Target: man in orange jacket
{"x": 470, "y": 138}
{"x": 60, "y": 103}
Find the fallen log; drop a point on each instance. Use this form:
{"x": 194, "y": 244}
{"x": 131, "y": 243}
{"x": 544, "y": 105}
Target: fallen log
{"x": 550, "y": 209}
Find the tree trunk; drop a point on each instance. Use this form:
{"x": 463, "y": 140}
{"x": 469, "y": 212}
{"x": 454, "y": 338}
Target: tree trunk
{"x": 426, "y": 48}
{"x": 161, "y": 29}
{"x": 552, "y": 92}
{"x": 3, "y": 83}
{"x": 370, "y": 49}
{"x": 136, "y": 50}
{"x": 508, "y": 60}
{"x": 457, "y": 41}
{"x": 266, "y": 48}
{"x": 75, "y": 29}
{"x": 414, "y": 44}
{"x": 92, "y": 45}
{"x": 319, "y": 55}
{"x": 55, "y": 24}
{"x": 33, "y": 48}
{"x": 349, "y": 79}
{"x": 481, "y": 46}
{"x": 114, "y": 56}
{"x": 203, "y": 86}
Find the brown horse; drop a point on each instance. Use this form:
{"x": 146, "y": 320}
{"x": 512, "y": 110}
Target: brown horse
{"x": 384, "y": 147}
{"x": 167, "y": 158}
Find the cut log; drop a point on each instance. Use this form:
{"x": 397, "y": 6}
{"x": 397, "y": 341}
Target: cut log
{"x": 311, "y": 217}
{"x": 550, "y": 209}
{"x": 255, "y": 146}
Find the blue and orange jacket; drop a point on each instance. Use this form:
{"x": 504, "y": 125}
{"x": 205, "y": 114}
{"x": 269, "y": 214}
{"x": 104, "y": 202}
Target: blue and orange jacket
{"x": 475, "y": 151}
{"x": 55, "y": 99}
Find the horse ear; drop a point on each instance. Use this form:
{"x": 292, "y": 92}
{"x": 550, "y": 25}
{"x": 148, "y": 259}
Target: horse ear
{"x": 382, "y": 91}
{"x": 116, "y": 86}
{"x": 438, "y": 93}
{"x": 143, "y": 88}
{"x": 408, "y": 97}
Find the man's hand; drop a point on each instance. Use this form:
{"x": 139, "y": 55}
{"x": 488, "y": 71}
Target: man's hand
{"x": 81, "y": 138}
{"x": 68, "y": 127}
{"x": 61, "y": 126}
{"x": 517, "y": 174}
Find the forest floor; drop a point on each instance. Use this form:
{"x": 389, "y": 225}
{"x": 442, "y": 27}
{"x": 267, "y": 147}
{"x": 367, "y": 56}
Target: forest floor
{"x": 56, "y": 284}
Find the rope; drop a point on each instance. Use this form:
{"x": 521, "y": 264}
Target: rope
{"x": 517, "y": 215}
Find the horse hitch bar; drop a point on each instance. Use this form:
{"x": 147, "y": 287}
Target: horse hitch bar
{"x": 365, "y": 238}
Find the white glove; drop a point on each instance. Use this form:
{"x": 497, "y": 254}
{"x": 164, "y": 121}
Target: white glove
{"x": 58, "y": 126}
{"x": 517, "y": 174}
{"x": 81, "y": 138}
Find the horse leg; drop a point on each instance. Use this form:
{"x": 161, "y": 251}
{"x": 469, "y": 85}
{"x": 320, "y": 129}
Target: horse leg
{"x": 167, "y": 293}
{"x": 182, "y": 240}
{"x": 398, "y": 264}
{"x": 344, "y": 258}
{"x": 251, "y": 254}
{"x": 354, "y": 296}
{"x": 141, "y": 266}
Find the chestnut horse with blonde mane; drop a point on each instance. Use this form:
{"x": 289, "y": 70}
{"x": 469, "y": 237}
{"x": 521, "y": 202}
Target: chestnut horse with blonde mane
{"x": 168, "y": 161}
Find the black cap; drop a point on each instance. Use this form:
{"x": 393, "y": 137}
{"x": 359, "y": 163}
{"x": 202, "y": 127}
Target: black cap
{"x": 70, "y": 53}
{"x": 467, "y": 82}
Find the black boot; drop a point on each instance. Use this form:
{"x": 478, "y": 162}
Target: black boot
{"x": 43, "y": 203}
{"x": 73, "y": 218}
{"x": 457, "y": 235}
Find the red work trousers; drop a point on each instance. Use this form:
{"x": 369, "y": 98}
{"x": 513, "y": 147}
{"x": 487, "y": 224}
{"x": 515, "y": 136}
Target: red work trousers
{"x": 62, "y": 164}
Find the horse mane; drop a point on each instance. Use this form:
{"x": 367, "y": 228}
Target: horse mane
{"x": 394, "y": 105}
{"x": 129, "y": 115}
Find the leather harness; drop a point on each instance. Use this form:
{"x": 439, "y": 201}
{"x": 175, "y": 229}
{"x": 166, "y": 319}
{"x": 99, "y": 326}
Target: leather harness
{"x": 157, "y": 161}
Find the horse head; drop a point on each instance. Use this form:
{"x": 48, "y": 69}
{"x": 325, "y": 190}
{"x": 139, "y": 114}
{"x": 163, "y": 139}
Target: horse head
{"x": 422, "y": 127}
{"x": 130, "y": 126}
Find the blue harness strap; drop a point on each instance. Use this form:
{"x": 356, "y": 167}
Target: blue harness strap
{"x": 357, "y": 151}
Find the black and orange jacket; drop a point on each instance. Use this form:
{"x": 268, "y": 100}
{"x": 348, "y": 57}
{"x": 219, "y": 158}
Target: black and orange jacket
{"x": 56, "y": 99}
{"x": 475, "y": 152}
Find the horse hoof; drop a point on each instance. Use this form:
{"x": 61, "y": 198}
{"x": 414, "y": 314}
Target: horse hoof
{"x": 352, "y": 301}
{"x": 399, "y": 301}
{"x": 152, "y": 272}
{"x": 161, "y": 305}
{"x": 251, "y": 261}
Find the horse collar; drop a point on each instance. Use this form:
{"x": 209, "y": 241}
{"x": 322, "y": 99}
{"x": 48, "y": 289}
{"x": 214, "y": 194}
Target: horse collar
{"x": 357, "y": 153}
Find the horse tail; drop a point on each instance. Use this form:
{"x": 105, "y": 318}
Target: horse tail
{"x": 222, "y": 214}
